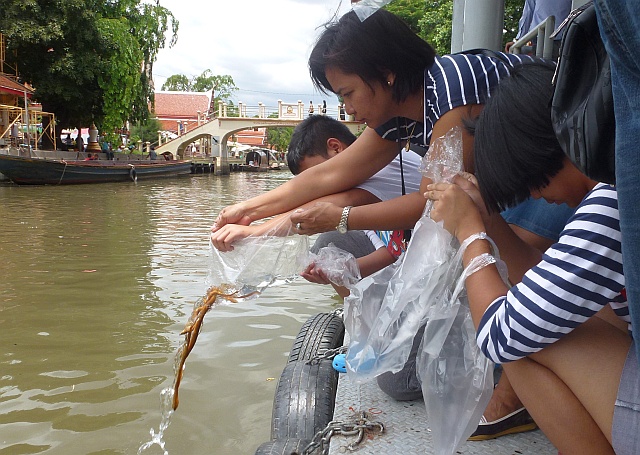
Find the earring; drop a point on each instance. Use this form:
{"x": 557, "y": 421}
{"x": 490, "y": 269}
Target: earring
{"x": 389, "y": 83}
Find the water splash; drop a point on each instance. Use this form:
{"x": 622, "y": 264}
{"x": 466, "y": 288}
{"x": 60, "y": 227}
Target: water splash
{"x": 216, "y": 295}
{"x": 166, "y": 405}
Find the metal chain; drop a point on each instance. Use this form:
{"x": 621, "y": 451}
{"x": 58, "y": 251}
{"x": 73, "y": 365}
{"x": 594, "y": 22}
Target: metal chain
{"x": 328, "y": 354}
{"x": 361, "y": 427}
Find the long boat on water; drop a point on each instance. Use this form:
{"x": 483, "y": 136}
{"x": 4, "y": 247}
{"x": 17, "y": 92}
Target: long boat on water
{"x": 47, "y": 171}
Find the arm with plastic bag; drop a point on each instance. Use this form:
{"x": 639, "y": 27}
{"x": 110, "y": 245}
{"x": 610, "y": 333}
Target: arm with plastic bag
{"x": 256, "y": 262}
{"x": 456, "y": 377}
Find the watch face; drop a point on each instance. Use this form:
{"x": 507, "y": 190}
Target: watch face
{"x": 342, "y": 229}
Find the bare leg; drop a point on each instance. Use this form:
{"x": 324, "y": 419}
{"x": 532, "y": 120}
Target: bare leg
{"x": 534, "y": 240}
{"x": 570, "y": 387}
{"x": 503, "y": 401}
{"x": 556, "y": 409}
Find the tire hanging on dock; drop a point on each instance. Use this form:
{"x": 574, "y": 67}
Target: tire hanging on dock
{"x": 304, "y": 400}
{"x": 282, "y": 447}
{"x": 305, "y": 395}
{"x": 306, "y": 391}
{"x": 319, "y": 333}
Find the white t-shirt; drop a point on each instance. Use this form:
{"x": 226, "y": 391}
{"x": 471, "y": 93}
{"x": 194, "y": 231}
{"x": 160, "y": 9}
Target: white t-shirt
{"x": 387, "y": 183}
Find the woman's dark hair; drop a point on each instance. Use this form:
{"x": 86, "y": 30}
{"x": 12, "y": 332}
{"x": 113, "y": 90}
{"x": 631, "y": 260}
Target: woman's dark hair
{"x": 371, "y": 49}
{"x": 515, "y": 148}
{"x": 310, "y": 137}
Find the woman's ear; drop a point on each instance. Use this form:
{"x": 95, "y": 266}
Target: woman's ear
{"x": 391, "y": 79}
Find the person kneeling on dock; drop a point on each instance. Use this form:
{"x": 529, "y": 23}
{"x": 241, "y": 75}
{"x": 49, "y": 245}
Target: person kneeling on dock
{"x": 562, "y": 333}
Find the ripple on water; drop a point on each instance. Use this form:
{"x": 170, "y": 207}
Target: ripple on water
{"x": 69, "y": 374}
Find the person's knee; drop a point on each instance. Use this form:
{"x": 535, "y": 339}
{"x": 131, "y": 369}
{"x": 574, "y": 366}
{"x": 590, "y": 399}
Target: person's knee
{"x": 401, "y": 386}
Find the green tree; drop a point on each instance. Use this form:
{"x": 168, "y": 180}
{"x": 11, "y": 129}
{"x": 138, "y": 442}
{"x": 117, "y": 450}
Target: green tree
{"x": 432, "y": 20}
{"x": 222, "y": 86}
{"x": 145, "y": 131}
{"x": 177, "y": 83}
{"x": 435, "y": 25}
{"x": 278, "y": 138}
{"x": 89, "y": 60}
{"x": 512, "y": 13}
{"x": 411, "y": 11}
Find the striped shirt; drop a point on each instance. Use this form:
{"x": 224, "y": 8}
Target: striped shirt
{"x": 576, "y": 278}
{"x": 452, "y": 81}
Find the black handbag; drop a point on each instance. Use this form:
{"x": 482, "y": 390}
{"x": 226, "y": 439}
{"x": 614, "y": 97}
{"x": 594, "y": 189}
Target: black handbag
{"x": 582, "y": 105}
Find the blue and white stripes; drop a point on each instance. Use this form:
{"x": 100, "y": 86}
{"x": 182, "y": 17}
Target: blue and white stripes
{"x": 452, "y": 81}
{"x": 460, "y": 80}
{"x": 577, "y": 277}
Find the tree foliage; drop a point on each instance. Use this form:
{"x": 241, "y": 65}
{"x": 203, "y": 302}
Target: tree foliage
{"x": 145, "y": 131}
{"x": 89, "y": 60}
{"x": 431, "y": 19}
{"x": 223, "y": 86}
{"x": 435, "y": 25}
{"x": 279, "y": 137}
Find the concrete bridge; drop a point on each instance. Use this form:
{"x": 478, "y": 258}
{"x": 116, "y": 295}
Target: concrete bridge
{"x": 217, "y": 131}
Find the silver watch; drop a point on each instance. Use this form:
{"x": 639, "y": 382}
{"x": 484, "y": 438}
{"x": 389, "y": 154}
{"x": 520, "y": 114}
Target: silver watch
{"x": 342, "y": 226}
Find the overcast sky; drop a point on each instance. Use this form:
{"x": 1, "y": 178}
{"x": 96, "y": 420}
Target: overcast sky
{"x": 263, "y": 44}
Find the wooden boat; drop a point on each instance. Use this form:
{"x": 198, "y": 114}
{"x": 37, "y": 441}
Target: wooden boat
{"x": 45, "y": 171}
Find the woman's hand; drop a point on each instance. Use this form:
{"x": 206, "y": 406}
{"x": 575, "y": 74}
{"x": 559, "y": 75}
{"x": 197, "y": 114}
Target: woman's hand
{"x": 232, "y": 214}
{"x": 224, "y": 237}
{"x": 321, "y": 217}
{"x": 453, "y": 206}
{"x": 469, "y": 184}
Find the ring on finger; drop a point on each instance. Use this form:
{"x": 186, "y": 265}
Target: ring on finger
{"x": 298, "y": 226}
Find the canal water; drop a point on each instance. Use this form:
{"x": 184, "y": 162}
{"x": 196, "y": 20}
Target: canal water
{"x": 97, "y": 281}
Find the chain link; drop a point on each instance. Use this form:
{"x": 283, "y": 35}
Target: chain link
{"x": 328, "y": 354}
{"x": 361, "y": 427}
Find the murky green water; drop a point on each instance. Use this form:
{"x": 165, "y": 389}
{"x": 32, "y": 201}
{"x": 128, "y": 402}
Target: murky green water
{"x": 96, "y": 282}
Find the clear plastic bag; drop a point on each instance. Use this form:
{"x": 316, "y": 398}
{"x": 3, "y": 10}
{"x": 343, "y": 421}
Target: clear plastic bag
{"x": 366, "y": 8}
{"x": 340, "y": 266}
{"x": 257, "y": 262}
{"x": 395, "y": 301}
{"x": 425, "y": 287}
{"x": 382, "y": 318}
{"x": 457, "y": 379}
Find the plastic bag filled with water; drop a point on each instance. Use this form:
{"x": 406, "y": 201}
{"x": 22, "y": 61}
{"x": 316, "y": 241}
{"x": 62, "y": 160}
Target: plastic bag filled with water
{"x": 256, "y": 262}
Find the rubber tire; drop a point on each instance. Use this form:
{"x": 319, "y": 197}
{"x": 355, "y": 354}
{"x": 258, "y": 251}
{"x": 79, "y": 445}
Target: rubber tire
{"x": 319, "y": 333}
{"x": 282, "y": 447}
{"x": 304, "y": 400}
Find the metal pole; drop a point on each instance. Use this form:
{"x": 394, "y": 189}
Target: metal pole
{"x": 26, "y": 121}
{"x": 477, "y": 24}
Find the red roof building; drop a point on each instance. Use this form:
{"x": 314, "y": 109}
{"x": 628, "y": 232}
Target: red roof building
{"x": 254, "y": 137}
{"x": 11, "y": 91}
{"x": 180, "y": 108}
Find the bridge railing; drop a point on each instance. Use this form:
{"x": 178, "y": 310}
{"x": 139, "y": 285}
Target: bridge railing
{"x": 294, "y": 111}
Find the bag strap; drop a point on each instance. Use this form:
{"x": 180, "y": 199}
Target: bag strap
{"x": 565, "y": 23}
{"x": 407, "y": 232}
